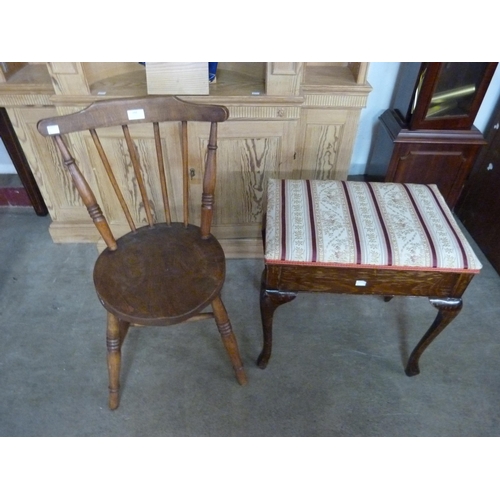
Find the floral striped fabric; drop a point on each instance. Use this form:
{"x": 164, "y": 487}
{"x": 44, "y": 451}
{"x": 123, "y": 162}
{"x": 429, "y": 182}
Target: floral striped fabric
{"x": 375, "y": 225}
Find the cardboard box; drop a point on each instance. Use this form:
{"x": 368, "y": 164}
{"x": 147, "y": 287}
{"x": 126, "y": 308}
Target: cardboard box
{"x": 177, "y": 78}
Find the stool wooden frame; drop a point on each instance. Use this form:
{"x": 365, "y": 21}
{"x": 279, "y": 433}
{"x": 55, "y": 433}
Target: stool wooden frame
{"x": 281, "y": 284}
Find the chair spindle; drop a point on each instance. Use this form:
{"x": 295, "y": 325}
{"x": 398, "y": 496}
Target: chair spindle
{"x": 207, "y": 200}
{"x": 161, "y": 171}
{"x": 137, "y": 169}
{"x": 112, "y": 178}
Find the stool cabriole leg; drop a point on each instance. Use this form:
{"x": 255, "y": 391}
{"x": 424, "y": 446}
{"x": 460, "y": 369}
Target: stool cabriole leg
{"x": 448, "y": 309}
{"x": 269, "y": 301}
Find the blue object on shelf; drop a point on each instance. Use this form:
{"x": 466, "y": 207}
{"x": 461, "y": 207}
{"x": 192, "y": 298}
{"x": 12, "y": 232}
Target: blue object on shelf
{"x": 212, "y": 70}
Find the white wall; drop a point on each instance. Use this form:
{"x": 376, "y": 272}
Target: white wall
{"x": 6, "y": 166}
{"x": 488, "y": 105}
{"x": 382, "y": 77}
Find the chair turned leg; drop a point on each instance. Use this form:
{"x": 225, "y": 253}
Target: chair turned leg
{"x": 115, "y": 334}
{"x": 229, "y": 339}
{"x": 448, "y": 310}
{"x": 269, "y": 302}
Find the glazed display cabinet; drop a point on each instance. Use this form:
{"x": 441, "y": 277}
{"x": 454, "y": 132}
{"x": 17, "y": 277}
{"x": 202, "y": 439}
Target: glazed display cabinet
{"x": 429, "y": 136}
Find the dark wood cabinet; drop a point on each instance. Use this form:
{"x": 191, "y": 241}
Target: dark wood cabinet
{"x": 479, "y": 206}
{"x": 428, "y": 136}
{"x": 441, "y": 157}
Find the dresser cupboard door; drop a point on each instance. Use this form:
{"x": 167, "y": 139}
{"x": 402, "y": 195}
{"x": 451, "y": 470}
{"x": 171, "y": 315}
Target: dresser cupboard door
{"x": 446, "y": 165}
{"x": 325, "y": 143}
{"x": 248, "y": 154}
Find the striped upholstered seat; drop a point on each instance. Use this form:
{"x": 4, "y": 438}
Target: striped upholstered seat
{"x": 372, "y": 225}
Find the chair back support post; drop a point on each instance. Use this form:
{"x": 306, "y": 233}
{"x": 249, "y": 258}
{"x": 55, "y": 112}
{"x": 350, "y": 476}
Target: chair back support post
{"x": 207, "y": 200}
{"x": 86, "y": 194}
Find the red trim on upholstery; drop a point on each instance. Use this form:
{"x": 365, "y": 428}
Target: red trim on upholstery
{"x": 424, "y": 226}
{"x": 353, "y": 220}
{"x": 283, "y": 220}
{"x": 382, "y": 224}
{"x": 311, "y": 221}
{"x": 452, "y": 228}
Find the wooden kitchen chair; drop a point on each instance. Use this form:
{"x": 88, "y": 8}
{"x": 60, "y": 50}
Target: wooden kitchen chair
{"x": 161, "y": 272}
{"x": 363, "y": 238}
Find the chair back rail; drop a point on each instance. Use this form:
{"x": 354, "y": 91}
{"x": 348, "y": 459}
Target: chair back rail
{"x": 125, "y": 113}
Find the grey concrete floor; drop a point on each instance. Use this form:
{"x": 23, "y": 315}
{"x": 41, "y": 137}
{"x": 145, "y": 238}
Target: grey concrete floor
{"x": 337, "y": 368}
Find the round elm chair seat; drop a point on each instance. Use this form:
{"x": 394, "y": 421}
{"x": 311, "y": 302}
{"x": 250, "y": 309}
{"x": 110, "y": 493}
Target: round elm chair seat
{"x": 160, "y": 275}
